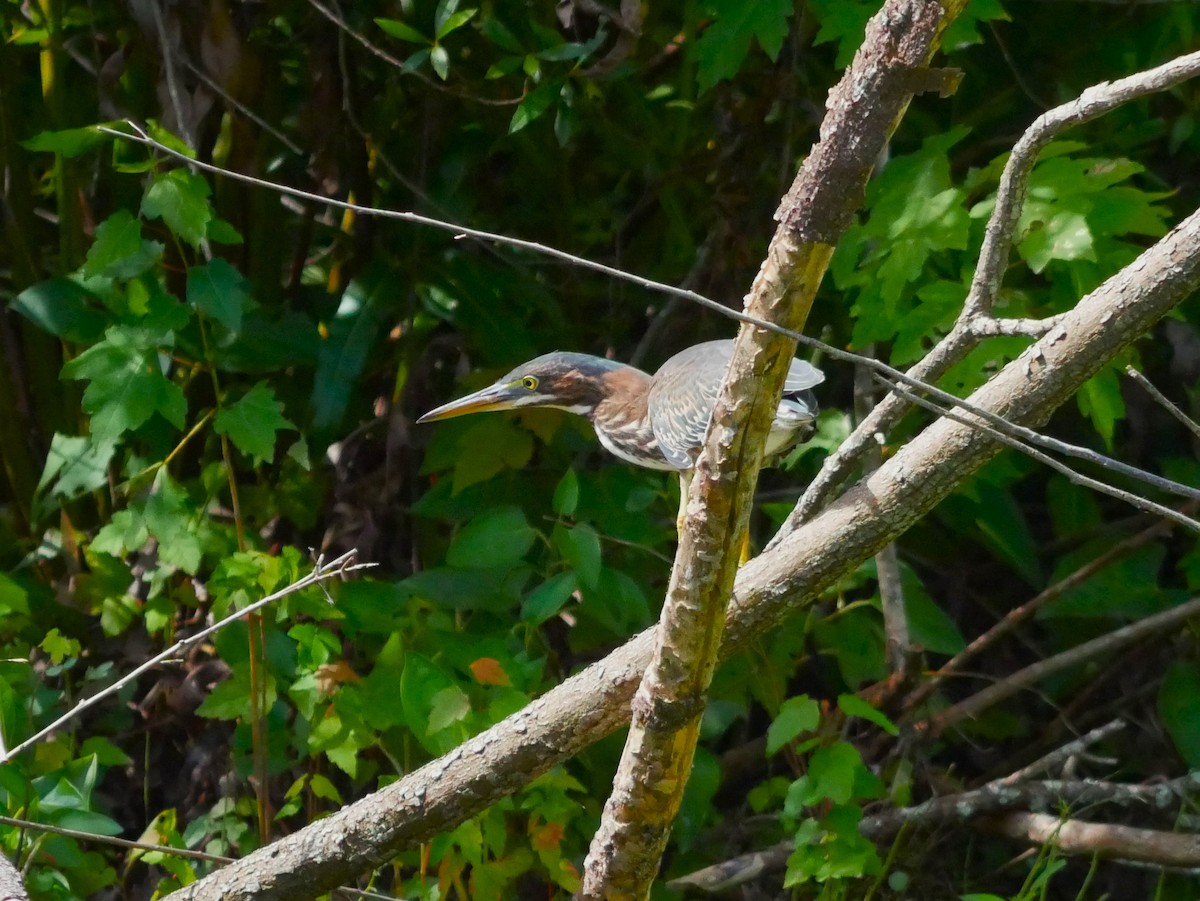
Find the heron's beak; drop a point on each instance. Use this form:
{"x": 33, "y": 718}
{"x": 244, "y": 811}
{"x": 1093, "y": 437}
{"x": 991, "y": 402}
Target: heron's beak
{"x": 493, "y": 397}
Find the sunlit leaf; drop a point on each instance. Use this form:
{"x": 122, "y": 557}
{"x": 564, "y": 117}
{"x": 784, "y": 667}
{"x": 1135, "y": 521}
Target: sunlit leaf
{"x": 401, "y": 30}
{"x": 724, "y": 45}
{"x": 126, "y": 385}
{"x": 253, "y": 421}
{"x": 796, "y": 716}
{"x": 180, "y": 199}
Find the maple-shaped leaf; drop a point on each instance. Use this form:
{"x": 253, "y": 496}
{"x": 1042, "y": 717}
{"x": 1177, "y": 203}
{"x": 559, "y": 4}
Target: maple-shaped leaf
{"x": 172, "y": 518}
{"x": 119, "y": 251}
{"x": 126, "y": 384}
{"x": 252, "y": 422}
{"x": 218, "y": 290}
{"x": 722, "y": 48}
{"x": 180, "y": 199}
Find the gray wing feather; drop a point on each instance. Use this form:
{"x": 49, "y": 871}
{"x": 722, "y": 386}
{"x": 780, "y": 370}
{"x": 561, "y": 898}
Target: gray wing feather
{"x": 685, "y": 391}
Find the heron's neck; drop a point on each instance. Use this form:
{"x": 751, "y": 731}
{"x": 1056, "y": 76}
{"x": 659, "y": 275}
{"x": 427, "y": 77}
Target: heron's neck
{"x": 623, "y": 403}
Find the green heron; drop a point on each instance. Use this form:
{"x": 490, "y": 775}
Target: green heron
{"x": 654, "y": 421}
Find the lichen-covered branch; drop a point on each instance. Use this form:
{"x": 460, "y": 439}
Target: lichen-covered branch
{"x": 863, "y": 110}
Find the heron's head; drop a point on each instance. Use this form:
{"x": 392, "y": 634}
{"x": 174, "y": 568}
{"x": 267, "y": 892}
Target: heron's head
{"x": 568, "y": 381}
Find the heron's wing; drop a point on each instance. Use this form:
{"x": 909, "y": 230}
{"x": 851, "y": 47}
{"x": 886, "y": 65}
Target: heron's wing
{"x": 682, "y": 398}
{"x": 685, "y": 391}
{"x": 801, "y": 375}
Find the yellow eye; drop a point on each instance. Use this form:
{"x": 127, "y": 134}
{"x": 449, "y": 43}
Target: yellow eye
{"x": 529, "y": 383}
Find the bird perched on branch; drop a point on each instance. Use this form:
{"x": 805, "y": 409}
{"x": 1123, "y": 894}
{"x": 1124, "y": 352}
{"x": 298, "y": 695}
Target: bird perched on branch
{"x": 654, "y": 421}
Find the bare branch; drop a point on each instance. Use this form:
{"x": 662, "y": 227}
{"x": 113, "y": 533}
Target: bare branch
{"x": 1162, "y": 400}
{"x": 1022, "y": 679}
{"x": 1078, "y": 478}
{"x": 768, "y": 589}
{"x": 957, "y": 809}
{"x": 1060, "y": 756}
{"x": 1106, "y": 840}
{"x": 337, "y": 567}
{"x": 862, "y": 111}
{"x": 1020, "y": 614}
{"x": 989, "y": 273}
{"x": 1014, "y": 181}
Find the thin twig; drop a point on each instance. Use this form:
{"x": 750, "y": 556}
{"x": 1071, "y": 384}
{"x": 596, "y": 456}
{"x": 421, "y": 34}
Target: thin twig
{"x": 976, "y": 320}
{"x": 244, "y": 110}
{"x": 378, "y": 51}
{"x": 168, "y": 60}
{"x": 321, "y": 571}
{"x": 897, "y": 646}
{"x": 881, "y": 368}
{"x": 1022, "y": 679}
{"x": 1077, "y": 477}
{"x": 167, "y": 850}
{"x": 1061, "y": 755}
{"x": 1162, "y": 400}
{"x": 1020, "y": 614}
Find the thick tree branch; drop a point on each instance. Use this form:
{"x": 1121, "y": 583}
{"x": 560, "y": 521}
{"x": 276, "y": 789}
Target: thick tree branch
{"x": 768, "y": 589}
{"x": 863, "y": 110}
{"x": 986, "y": 805}
{"x": 975, "y": 321}
{"x": 1112, "y": 842}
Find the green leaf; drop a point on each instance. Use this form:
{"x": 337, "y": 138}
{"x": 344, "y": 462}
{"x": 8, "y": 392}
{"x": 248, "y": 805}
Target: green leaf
{"x": 80, "y": 464}
{"x": 1128, "y": 588}
{"x": 796, "y": 716}
{"x": 455, "y": 21}
{"x": 125, "y": 531}
{"x": 251, "y": 422}
{"x": 1100, "y": 401}
{"x": 126, "y": 385}
{"x": 13, "y": 597}
{"x": 171, "y": 517}
{"x": 180, "y": 199}
{"x": 68, "y": 142}
{"x": 421, "y": 681}
{"x": 534, "y": 105}
{"x": 724, "y": 45}
{"x": 494, "y": 539}
{"x": 843, "y": 21}
{"x": 506, "y": 65}
{"x": 566, "y": 494}
{"x": 118, "y": 250}
{"x": 853, "y": 705}
{"x": 580, "y": 545}
{"x": 832, "y": 772}
{"x": 1179, "y": 709}
{"x": 218, "y": 290}
{"x": 929, "y": 626}
{"x": 448, "y": 706}
{"x": 440, "y": 60}
{"x": 500, "y": 35}
{"x": 169, "y": 138}
{"x": 59, "y": 647}
{"x": 548, "y": 598}
{"x": 62, "y": 308}
{"x": 222, "y": 232}
{"x": 398, "y": 29}
{"x": 343, "y": 354}
{"x": 964, "y": 30}
{"x": 487, "y": 446}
